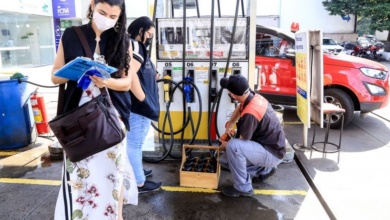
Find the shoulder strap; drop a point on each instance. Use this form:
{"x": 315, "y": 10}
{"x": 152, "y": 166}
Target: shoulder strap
{"x": 84, "y": 42}
{"x": 87, "y": 49}
{"x": 61, "y": 89}
{"x": 60, "y": 103}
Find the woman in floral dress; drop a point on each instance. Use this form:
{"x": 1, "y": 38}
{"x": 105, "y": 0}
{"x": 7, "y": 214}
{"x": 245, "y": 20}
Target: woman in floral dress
{"x": 98, "y": 186}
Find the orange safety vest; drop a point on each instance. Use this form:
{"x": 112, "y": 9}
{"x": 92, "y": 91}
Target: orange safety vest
{"x": 256, "y": 107}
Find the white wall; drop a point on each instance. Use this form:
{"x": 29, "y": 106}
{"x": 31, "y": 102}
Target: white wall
{"x": 312, "y": 15}
{"x": 81, "y": 8}
{"x": 267, "y": 7}
{"x": 381, "y": 35}
{"x": 270, "y": 21}
{"x": 135, "y": 9}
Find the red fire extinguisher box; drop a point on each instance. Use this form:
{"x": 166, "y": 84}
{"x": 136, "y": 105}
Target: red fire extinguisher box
{"x": 16, "y": 118}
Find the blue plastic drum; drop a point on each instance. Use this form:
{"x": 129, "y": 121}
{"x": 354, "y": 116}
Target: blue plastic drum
{"x": 16, "y": 118}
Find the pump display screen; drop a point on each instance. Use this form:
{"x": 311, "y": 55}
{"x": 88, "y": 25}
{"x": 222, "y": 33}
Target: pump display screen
{"x": 198, "y": 38}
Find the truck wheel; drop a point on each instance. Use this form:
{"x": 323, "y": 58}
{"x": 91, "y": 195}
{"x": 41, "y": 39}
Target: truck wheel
{"x": 343, "y": 100}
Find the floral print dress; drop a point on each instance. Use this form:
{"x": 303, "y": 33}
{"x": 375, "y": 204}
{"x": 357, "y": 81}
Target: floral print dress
{"x": 91, "y": 188}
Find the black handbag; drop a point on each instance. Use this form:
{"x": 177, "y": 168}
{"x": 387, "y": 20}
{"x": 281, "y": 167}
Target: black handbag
{"x": 89, "y": 128}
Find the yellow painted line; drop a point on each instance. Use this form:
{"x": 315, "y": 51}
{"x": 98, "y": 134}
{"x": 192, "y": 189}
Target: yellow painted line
{"x": 30, "y": 181}
{"x": 8, "y": 153}
{"x": 187, "y": 189}
{"x": 165, "y": 188}
{"x": 256, "y": 192}
{"x": 279, "y": 192}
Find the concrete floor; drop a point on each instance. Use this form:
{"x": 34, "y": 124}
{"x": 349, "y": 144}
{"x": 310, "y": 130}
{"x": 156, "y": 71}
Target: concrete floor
{"x": 30, "y": 192}
{"x": 355, "y": 188}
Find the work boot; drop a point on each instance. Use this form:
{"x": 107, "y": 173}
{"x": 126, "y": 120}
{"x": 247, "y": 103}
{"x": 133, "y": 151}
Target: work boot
{"x": 233, "y": 192}
{"x": 263, "y": 178}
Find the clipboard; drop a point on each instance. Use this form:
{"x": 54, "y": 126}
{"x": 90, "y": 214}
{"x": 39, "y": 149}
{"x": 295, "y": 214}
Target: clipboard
{"x": 77, "y": 67}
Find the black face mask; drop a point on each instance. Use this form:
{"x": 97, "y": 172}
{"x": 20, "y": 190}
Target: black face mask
{"x": 148, "y": 42}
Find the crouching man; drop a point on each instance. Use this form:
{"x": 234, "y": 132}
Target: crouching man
{"x": 258, "y": 146}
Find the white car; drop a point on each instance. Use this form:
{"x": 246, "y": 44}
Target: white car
{"x": 362, "y": 41}
{"x": 330, "y": 45}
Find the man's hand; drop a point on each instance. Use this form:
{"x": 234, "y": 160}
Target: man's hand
{"x": 222, "y": 147}
{"x": 228, "y": 127}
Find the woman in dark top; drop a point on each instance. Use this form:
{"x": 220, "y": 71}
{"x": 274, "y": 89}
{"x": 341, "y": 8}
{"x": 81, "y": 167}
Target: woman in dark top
{"x": 144, "y": 97}
{"x": 97, "y": 187}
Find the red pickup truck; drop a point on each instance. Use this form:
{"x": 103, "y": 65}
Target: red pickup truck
{"x": 353, "y": 83}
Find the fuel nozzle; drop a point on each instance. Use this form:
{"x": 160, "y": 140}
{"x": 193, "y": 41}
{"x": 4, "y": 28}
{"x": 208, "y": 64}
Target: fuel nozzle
{"x": 188, "y": 89}
{"x": 167, "y": 87}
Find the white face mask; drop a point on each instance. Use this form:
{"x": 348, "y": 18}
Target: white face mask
{"x": 103, "y": 23}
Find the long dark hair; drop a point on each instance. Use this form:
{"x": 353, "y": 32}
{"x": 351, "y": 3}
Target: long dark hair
{"x": 142, "y": 23}
{"x": 117, "y": 48}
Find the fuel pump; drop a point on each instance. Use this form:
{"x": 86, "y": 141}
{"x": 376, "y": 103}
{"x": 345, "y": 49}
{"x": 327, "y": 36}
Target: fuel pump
{"x": 202, "y": 74}
{"x": 194, "y": 57}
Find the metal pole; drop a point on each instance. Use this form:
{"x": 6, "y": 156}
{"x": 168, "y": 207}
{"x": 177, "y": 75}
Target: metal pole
{"x": 231, "y": 38}
{"x": 219, "y": 8}
{"x": 302, "y": 147}
{"x": 184, "y": 35}
{"x": 168, "y": 9}
{"x": 154, "y": 22}
{"x": 305, "y": 134}
{"x": 211, "y": 67}
{"x": 242, "y": 8}
{"x": 154, "y": 11}
{"x": 173, "y": 9}
{"x": 197, "y": 8}
{"x": 252, "y": 44}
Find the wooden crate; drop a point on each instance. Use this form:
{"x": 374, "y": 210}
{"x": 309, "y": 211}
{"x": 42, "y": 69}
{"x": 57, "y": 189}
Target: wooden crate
{"x": 200, "y": 179}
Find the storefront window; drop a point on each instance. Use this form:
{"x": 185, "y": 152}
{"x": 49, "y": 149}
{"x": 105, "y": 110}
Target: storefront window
{"x": 25, "y": 40}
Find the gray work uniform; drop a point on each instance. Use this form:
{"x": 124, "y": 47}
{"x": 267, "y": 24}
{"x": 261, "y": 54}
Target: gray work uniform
{"x": 262, "y": 146}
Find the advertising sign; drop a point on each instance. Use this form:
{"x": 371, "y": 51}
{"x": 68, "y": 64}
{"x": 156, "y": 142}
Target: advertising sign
{"x": 34, "y": 7}
{"x": 57, "y": 31}
{"x": 198, "y": 38}
{"x": 303, "y": 77}
{"x": 64, "y": 9}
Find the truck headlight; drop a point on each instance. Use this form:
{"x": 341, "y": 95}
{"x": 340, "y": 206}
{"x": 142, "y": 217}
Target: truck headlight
{"x": 374, "y": 89}
{"x": 373, "y": 73}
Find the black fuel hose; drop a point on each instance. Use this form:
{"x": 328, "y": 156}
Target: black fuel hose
{"x": 219, "y": 94}
{"x": 195, "y": 129}
{"x": 186, "y": 120}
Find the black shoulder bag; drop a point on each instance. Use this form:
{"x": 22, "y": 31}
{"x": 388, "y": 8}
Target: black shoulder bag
{"x": 91, "y": 127}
